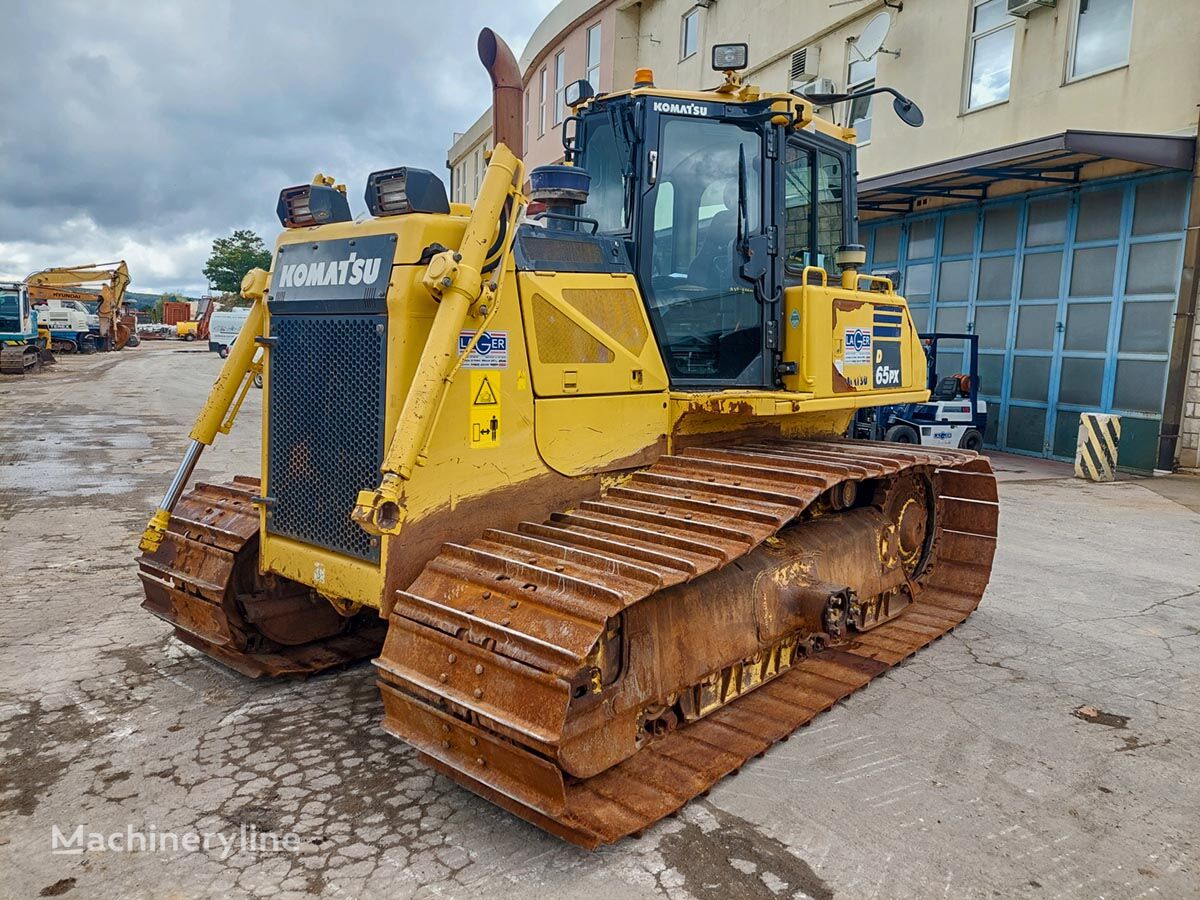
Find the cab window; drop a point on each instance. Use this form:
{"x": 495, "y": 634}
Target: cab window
{"x": 605, "y": 160}
{"x": 797, "y": 207}
{"x": 814, "y": 187}
{"x": 831, "y": 180}
{"x": 708, "y": 176}
{"x": 10, "y": 313}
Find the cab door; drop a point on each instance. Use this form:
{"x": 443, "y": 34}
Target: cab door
{"x": 705, "y": 205}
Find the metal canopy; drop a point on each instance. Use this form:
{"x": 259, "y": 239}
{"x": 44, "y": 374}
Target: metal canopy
{"x": 1056, "y": 159}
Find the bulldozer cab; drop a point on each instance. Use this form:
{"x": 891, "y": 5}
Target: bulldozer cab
{"x": 722, "y": 209}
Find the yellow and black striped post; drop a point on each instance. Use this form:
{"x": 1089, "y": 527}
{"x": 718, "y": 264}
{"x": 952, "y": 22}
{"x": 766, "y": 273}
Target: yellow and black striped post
{"x": 1096, "y": 450}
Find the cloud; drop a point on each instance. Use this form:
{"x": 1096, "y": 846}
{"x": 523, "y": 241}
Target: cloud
{"x": 144, "y": 131}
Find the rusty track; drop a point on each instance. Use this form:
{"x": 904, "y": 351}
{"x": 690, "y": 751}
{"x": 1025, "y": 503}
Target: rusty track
{"x": 204, "y": 580}
{"x": 19, "y": 359}
{"x": 499, "y": 661}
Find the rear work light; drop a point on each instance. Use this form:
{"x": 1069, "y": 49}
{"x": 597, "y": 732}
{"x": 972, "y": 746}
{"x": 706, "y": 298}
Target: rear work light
{"x": 319, "y": 203}
{"x": 393, "y": 192}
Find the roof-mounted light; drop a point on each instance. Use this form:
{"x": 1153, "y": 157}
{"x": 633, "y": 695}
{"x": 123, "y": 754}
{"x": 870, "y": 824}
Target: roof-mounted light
{"x": 578, "y": 92}
{"x": 393, "y": 192}
{"x": 730, "y": 57}
{"x": 319, "y": 203}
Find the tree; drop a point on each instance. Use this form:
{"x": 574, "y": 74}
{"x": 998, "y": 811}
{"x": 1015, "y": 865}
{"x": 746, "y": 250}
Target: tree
{"x": 232, "y": 257}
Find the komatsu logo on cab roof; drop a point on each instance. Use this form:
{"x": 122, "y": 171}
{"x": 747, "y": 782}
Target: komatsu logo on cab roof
{"x": 680, "y": 109}
{"x": 338, "y": 271}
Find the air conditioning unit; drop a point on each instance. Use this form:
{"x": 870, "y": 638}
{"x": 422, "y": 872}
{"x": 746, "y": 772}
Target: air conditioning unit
{"x": 1023, "y": 8}
{"x": 818, "y": 86}
{"x": 804, "y": 66}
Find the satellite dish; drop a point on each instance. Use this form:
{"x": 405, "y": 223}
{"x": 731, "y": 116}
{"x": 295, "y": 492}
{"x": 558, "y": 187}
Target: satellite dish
{"x": 870, "y": 41}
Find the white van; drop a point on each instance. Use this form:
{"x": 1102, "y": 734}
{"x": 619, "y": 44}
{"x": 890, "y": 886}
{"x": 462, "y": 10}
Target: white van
{"x": 224, "y": 326}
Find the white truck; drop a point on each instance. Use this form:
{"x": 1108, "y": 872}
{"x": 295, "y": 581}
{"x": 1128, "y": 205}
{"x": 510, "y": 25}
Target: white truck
{"x": 223, "y": 328}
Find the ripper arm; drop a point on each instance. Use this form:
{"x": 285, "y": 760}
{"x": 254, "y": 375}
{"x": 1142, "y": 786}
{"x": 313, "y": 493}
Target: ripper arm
{"x": 456, "y": 279}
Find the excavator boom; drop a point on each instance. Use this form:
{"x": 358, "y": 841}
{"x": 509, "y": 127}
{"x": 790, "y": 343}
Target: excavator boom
{"x": 113, "y": 278}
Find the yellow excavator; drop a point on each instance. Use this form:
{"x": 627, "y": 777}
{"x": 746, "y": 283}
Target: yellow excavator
{"x": 575, "y": 478}
{"x": 117, "y": 329}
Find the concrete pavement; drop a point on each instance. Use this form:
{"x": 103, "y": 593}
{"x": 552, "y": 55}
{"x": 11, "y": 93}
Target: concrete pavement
{"x": 1047, "y": 748}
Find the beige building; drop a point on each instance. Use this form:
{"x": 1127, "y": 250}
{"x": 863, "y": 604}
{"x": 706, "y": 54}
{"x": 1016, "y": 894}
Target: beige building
{"x": 1044, "y": 205}
{"x": 467, "y": 162}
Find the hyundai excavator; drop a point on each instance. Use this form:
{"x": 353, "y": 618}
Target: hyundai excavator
{"x": 116, "y": 329}
{"x": 576, "y": 479}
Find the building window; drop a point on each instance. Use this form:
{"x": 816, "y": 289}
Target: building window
{"x": 992, "y": 30}
{"x": 1101, "y": 40}
{"x": 560, "y": 85}
{"x": 528, "y": 113}
{"x": 690, "y": 34}
{"x": 478, "y": 171}
{"x": 861, "y": 78}
{"x": 593, "y": 57}
{"x": 542, "y": 104}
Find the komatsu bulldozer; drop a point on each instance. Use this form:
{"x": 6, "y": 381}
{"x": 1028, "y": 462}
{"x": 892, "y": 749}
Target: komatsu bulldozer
{"x": 574, "y": 477}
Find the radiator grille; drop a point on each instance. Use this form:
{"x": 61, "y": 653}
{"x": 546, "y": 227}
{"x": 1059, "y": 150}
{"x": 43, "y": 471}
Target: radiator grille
{"x": 562, "y": 250}
{"x": 326, "y": 427}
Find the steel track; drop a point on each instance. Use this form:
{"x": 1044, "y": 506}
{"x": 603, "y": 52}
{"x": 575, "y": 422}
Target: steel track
{"x": 482, "y": 648}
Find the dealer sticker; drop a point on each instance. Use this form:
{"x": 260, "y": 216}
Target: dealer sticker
{"x": 858, "y": 347}
{"x": 490, "y": 352}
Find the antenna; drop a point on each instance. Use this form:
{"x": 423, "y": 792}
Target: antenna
{"x": 870, "y": 42}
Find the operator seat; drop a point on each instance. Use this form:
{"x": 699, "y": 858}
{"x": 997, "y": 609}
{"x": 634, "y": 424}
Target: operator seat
{"x": 946, "y": 389}
{"x": 713, "y": 265}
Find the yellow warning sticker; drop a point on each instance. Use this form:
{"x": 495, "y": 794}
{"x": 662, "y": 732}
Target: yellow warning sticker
{"x": 485, "y": 410}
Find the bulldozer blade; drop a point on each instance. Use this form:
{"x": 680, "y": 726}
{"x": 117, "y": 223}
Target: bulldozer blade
{"x": 203, "y": 579}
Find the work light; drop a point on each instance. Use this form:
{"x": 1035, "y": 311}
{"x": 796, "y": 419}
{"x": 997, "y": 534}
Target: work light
{"x": 393, "y": 192}
{"x": 728, "y": 57}
{"x": 578, "y": 92}
{"x": 311, "y": 204}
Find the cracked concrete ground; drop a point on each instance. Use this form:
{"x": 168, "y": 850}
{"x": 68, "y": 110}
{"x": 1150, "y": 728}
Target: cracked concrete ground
{"x": 981, "y": 767}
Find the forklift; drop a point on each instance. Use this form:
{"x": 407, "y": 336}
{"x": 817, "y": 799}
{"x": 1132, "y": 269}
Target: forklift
{"x": 953, "y": 416}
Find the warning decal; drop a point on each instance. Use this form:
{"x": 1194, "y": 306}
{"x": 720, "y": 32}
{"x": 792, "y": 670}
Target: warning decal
{"x": 484, "y": 416}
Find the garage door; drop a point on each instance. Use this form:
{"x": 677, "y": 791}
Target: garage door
{"x": 1072, "y": 294}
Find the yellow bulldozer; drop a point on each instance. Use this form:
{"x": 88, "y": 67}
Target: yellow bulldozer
{"x": 568, "y": 464}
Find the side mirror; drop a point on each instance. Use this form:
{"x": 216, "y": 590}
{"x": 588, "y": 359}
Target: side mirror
{"x": 909, "y": 112}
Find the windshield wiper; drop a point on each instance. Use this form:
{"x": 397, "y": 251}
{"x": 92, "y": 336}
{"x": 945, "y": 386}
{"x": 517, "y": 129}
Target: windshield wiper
{"x": 743, "y": 226}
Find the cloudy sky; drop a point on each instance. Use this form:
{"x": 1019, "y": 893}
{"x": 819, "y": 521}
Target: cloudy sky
{"x": 141, "y": 130}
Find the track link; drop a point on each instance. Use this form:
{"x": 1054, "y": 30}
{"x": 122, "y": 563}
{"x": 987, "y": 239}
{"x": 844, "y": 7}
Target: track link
{"x": 19, "y": 359}
{"x": 481, "y": 668}
{"x": 203, "y": 579}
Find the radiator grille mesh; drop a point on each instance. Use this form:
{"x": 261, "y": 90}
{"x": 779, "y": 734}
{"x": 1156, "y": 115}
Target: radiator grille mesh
{"x": 325, "y": 427}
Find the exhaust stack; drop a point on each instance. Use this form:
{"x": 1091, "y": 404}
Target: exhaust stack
{"x": 507, "y": 91}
